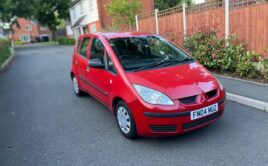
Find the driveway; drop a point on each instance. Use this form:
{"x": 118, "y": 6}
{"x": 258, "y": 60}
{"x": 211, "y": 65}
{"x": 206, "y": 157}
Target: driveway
{"x": 42, "y": 122}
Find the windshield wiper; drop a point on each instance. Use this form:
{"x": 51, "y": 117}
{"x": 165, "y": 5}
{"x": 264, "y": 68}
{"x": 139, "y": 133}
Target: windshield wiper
{"x": 160, "y": 63}
{"x": 164, "y": 62}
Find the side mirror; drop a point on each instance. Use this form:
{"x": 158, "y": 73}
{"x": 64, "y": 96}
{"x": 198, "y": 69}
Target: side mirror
{"x": 96, "y": 63}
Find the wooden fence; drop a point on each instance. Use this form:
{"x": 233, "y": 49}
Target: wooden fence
{"x": 248, "y": 21}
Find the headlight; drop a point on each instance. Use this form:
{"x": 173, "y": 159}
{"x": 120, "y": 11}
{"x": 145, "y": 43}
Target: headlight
{"x": 152, "y": 96}
{"x": 221, "y": 87}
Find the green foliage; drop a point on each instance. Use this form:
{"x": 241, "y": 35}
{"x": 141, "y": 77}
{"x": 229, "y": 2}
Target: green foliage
{"x": 63, "y": 40}
{"x": 220, "y": 54}
{"x": 124, "y": 11}
{"x": 47, "y": 12}
{"x": 206, "y": 48}
{"x": 230, "y": 55}
{"x": 4, "y": 50}
{"x": 18, "y": 42}
{"x": 11, "y": 8}
{"x": 245, "y": 66}
{"x": 50, "y": 12}
{"x": 265, "y": 65}
{"x": 165, "y": 4}
{"x": 112, "y": 28}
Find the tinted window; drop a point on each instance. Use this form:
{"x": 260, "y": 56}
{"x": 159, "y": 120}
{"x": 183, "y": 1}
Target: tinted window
{"x": 97, "y": 49}
{"x": 138, "y": 53}
{"x": 84, "y": 47}
{"x": 110, "y": 65}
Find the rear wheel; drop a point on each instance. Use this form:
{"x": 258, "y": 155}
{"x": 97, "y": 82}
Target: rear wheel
{"x": 125, "y": 120}
{"x": 76, "y": 88}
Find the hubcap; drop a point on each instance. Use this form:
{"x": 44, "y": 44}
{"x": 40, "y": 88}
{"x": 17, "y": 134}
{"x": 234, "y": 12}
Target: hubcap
{"x": 123, "y": 119}
{"x": 75, "y": 85}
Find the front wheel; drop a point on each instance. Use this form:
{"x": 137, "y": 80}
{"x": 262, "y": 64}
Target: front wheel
{"x": 125, "y": 120}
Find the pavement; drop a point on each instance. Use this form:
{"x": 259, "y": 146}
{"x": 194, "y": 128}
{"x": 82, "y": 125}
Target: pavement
{"x": 245, "y": 88}
{"x": 43, "y": 123}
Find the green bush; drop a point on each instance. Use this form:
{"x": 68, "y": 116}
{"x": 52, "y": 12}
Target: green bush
{"x": 4, "y": 50}
{"x": 230, "y": 55}
{"x": 245, "y": 66}
{"x": 265, "y": 65}
{"x": 206, "y": 48}
{"x": 71, "y": 41}
{"x": 224, "y": 55}
{"x": 63, "y": 40}
{"x": 18, "y": 42}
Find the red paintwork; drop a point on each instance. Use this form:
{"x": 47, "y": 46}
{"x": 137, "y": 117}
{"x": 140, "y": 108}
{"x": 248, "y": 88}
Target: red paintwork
{"x": 174, "y": 81}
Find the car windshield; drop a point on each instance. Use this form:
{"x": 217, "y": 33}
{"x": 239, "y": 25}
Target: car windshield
{"x": 140, "y": 53}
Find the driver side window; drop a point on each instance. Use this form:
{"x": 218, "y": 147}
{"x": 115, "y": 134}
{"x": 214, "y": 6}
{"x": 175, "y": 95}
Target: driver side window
{"x": 97, "y": 49}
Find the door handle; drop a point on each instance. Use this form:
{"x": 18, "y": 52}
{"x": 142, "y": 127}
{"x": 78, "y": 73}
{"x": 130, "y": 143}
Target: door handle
{"x": 88, "y": 69}
{"x": 75, "y": 62}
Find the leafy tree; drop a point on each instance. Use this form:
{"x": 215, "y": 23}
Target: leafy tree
{"x": 47, "y": 12}
{"x": 124, "y": 11}
{"x": 50, "y": 12}
{"x": 165, "y": 4}
{"x": 10, "y": 9}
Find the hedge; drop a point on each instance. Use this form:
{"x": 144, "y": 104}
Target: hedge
{"x": 224, "y": 55}
{"x": 4, "y": 50}
{"x": 63, "y": 40}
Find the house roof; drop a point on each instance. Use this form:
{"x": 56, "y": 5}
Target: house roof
{"x": 74, "y": 3}
{"x": 79, "y": 21}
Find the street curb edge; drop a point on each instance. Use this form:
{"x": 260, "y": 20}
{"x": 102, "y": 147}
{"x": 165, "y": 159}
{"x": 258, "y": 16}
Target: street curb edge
{"x": 7, "y": 62}
{"x": 248, "y": 101}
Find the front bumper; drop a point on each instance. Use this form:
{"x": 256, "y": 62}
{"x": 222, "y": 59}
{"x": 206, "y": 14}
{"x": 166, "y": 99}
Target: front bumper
{"x": 154, "y": 122}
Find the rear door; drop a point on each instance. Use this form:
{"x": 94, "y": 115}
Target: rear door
{"x": 82, "y": 60}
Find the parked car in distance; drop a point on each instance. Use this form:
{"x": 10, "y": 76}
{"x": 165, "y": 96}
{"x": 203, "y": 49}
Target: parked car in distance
{"x": 153, "y": 87}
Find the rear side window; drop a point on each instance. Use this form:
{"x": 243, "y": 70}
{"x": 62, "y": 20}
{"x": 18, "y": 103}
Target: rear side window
{"x": 84, "y": 47}
{"x": 97, "y": 49}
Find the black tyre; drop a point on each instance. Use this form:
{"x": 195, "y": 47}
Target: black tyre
{"x": 76, "y": 88}
{"x": 125, "y": 120}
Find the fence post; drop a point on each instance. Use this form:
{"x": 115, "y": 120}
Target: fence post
{"x": 184, "y": 19}
{"x": 156, "y": 20}
{"x": 137, "y": 23}
{"x": 227, "y": 7}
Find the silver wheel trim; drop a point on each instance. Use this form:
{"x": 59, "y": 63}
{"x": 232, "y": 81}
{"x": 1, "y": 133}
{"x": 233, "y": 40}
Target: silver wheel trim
{"x": 123, "y": 119}
{"x": 75, "y": 85}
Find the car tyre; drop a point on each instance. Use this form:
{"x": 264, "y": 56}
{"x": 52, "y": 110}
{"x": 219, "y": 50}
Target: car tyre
{"x": 76, "y": 88}
{"x": 125, "y": 120}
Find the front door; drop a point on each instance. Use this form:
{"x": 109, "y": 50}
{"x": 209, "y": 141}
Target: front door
{"x": 98, "y": 79}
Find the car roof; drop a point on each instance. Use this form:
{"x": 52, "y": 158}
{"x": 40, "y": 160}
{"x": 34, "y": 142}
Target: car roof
{"x": 112, "y": 35}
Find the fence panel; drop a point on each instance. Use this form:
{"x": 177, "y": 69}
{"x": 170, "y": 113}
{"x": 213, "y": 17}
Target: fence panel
{"x": 248, "y": 21}
{"x": 147, "y": 22}
{"x": 171, "y": 27}
{"x": 205, "y": 21}
{"x": 250, "y": 25}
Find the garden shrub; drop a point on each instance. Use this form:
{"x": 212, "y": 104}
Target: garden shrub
{"x": 231, "y": 53}
{"x": 265, "y": 65}
{"x": 245, "y": 66}
{"x": 63, "y": 40}
{"x": 4, "y": 50}
{"x": 206, "y": 48}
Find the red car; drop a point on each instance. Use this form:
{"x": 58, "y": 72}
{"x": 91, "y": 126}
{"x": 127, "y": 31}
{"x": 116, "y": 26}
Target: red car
{"x": 153, "y": 87}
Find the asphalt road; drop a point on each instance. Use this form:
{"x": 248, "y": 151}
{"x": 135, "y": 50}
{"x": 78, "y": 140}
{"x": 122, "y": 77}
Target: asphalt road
{"x": 43, "y": 123}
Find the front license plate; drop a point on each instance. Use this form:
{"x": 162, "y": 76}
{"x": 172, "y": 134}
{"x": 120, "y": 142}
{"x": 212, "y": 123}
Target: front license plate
{"x": 204, "y": 111}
